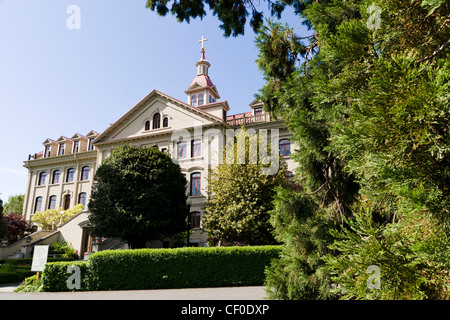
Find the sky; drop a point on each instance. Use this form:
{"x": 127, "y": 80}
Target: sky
{"x": 56, "y": 80}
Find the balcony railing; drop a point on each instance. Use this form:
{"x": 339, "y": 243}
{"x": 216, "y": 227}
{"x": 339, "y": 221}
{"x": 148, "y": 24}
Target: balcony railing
{"x": 247, "y": 118}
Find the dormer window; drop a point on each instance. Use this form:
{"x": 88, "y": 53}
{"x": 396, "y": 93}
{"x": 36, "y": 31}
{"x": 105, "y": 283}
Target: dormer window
{"x": 194, "y": 100}
{"x": 200, "y": 99}
{"x": 76, "y": 146}
{"x": 61, "y": 149}
{"x": 47, "y": 152}
{"x": 156, "y": 121}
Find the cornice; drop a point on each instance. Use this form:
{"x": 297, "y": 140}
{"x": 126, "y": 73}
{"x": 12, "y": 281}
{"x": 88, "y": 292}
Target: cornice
{"x": 68, "y": 158}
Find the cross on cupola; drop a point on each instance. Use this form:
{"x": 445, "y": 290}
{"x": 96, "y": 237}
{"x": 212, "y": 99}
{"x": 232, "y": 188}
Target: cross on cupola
{"x": 202, "y": 91}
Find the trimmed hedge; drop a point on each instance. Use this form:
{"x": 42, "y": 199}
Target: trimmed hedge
{"x": 166, "y": 268}
{"x": 54, "y": 276}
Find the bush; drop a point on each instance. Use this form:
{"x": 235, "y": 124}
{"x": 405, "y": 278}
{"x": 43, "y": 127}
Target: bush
{"x": 54, "y": 276}
{"x": 10, "y": 273}
{"x": 166, "y": 268}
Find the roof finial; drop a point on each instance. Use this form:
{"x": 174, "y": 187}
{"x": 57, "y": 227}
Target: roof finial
{"x": 202, "y": 41}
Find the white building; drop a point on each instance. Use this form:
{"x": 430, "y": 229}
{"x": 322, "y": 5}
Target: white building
{"x": 192, "y": 132}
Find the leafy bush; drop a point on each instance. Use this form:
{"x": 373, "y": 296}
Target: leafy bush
{"x": 165, "y": 268}
{"x": 10, "y": 273}
{"x": 55, "y": 276}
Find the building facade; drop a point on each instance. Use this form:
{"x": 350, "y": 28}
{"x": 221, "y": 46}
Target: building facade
{"x": 193, "y": 133}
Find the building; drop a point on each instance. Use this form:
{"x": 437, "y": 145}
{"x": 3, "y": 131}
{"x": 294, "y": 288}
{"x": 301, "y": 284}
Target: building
{"x": 192, "y": 132}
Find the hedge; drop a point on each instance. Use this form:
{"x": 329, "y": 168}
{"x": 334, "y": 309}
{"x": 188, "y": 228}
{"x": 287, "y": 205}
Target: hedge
{"x": 55, "y": 276}
{"x": 166, "y": 268}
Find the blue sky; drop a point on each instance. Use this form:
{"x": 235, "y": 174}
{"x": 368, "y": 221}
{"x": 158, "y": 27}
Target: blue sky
{"x": 56, "y": 81}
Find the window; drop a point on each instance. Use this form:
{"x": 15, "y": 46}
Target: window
{"x": 194, "y": 100}
{"x": 147, "y": 125}
{"x": 82, "y": 199}
{"x": 196, "y": 148}
{"x": 91, "y": 145}
{"x": 182, "y": 149}
{"x": 156, "y": 121}
{"x": 200, "y": 99}
{"x": 61, "y": 149}
{"x": 66, "y": 202}
{"x": 285, "y": 147}
{"x": 38, "y": 204}
{"x": 165, "y": 122}
{"x": 55, "y": 177}
{"x": 42, "y": 177}
{"x": 195, "y": 184}
{"x": 70, "y": 174}
{"x": 258, "y": 114}
{"x": 85, "y": 173}
{"x": 211, "y": 99}
{"x": 76, "y": 147}
{"x": 47, "y": 151}
{"x": 52, "y": 202}
{"x": 195, "y": 220}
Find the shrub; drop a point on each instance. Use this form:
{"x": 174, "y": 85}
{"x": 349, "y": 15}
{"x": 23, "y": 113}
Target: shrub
{"x": 181, "y": 267}
{"x": 165, "y": 268}
{"x": 54, "y": 276}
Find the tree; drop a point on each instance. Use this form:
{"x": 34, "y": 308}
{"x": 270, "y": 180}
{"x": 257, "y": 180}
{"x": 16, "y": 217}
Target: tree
{"x": 138, "y": 195}
{"x": 240, "y": 197}
{"x": 17, "y": 226}
{"x": 232, "y": 14}
{"x": 15, "y": 204}
{"x": 3, "y": 225}
{"x": 51, "y": 218}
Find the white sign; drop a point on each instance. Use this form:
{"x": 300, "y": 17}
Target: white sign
{"x": 39, "y": 258}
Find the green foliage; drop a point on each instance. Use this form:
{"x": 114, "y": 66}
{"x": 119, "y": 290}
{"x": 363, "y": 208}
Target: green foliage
{"x": 232, "y": 14}
{"x": 370, "y": 113}
{"x": 15, "y": 204}
{"x": 10, "y": 273}
{"x": 3, "y": 225}
{"x": 64, "y": 249}
{"x": 240, "y": 196}
{"x": 138, "y": 195}
{"x": 165, "y": 268}
{"x": 55, "y": 276}
{"x": 300, "y": 272}
{"x": 50, "y": 218}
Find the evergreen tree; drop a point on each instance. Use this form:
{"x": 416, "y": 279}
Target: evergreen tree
{"x": 138, "y": 195}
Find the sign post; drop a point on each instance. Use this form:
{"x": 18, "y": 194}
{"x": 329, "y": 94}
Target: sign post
{"x": 39, "y": 259}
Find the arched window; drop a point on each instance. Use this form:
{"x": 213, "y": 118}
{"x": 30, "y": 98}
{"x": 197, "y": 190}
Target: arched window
{"x": 55, "y": 177}
{"x": 194, "y": 100}
{"x": 147, "y": 125}
{"x": 195, "y": 184}
{"x": 70, "y": 174}
{"x": 285, "y": 147}
{"x": 182, "y": 150}
{"x": 42, "y": 177}
{"x": 195, "y": 220}
{"x": 85, "y": 173}
{"x": 52, "y": 202}
{"x": 165, "y": 122}
{"x": 38, "y": 204}
{"x": 82, "y": 199}
{"x": 201, "y": 100}
{"x": 156, "y": 121}
{"x": 66, "y": 202}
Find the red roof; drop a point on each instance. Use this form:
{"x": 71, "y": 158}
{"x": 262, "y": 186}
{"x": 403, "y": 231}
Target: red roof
{"x": 203, "y": 80}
